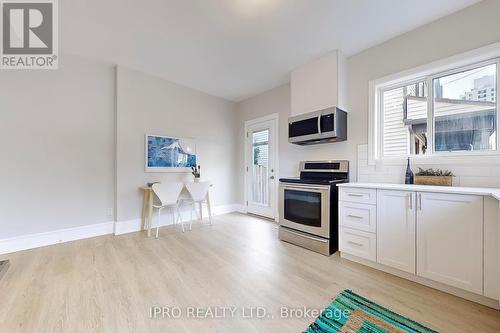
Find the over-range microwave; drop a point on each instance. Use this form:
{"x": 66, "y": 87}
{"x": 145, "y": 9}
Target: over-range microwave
{"x": 328, "y": 125}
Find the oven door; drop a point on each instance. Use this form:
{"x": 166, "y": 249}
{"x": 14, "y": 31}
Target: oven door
{"x": 305, "y": 208}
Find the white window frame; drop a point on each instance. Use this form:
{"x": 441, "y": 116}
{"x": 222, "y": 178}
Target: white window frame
{"x": 456, "y": 64}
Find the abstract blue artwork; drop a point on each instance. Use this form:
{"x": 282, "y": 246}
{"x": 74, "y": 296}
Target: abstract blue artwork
{"x": 168, "y": 154}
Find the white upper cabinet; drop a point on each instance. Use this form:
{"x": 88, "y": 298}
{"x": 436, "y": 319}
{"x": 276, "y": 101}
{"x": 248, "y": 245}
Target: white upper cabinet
{"x": 450, "y": 239}
{"x": 318, "y": 85}
{"x": 396, "y": 229}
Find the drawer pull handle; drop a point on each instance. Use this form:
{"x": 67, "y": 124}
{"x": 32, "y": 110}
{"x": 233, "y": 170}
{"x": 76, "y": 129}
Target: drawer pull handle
{"x": 355, "y": 216}
{"x": 354, "y": 195}
{"x": 354, "y": 243}
{"x": 308, "y": 237}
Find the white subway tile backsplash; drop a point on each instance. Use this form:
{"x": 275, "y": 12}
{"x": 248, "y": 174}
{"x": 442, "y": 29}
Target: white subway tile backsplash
{"x": 363, "y": 148}
{"x": 495, "y": 170}
{"x": 471, "y": 171}
{"x": 480, "y": 181}
{"x": 465, "y": 174}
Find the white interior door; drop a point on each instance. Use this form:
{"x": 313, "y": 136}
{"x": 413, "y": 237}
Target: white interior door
{"x": 261, "y": 163}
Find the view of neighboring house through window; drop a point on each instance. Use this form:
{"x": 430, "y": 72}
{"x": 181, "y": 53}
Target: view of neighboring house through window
{"x": 465, "y": 110}
{"x": 405, "y": 120}
{"x": 260, "y": 146}
{"x": 463, "y": 114}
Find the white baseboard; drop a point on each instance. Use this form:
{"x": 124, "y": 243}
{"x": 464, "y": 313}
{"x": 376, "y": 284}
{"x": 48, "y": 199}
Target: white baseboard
{"x": 125, "y": 227}
{"x": 134, "y": 225}
{"x": 241, "y": 208}
{"x": 25, "y": 242}
{"x": 492, "y": 303}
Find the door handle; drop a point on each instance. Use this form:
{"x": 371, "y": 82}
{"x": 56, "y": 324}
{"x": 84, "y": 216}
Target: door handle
{"x": 420, "y": 201}
{"x": 354, "y": 243}
{"x": 272, "y": 177}
{"x": 410, "y": 201}
{"x": 355, "y": 195}
{"x": 355, "y": 216}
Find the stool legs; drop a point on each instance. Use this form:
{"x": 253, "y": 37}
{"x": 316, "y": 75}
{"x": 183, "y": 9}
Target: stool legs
{"x": 158, "y": 223}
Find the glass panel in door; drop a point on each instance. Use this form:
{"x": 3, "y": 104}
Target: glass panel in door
{"x": 260, "y": 156}
{"x": 260, "y": 167}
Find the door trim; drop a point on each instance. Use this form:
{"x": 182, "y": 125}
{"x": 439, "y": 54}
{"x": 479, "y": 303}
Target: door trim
{"x": 248, "y": 123}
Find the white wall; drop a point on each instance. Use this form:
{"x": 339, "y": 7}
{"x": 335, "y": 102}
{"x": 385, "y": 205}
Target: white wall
{"x": 152, "y": 105}
{"x": 316, "y": 85}
{"x": 72, "y": 138}
{"x": 277, "y": 100}
{"x": 465, "y": 30}
{"x": 56, "y": 147}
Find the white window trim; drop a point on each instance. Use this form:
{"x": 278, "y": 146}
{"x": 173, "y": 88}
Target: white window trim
{"x": 435, "y": 69}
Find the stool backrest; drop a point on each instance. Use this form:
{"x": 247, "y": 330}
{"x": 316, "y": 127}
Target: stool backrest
{"x": 168, "y": 193}
{"x": 198, "y": 191}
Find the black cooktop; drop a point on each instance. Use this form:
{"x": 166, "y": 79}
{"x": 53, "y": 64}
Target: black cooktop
{"x": 313, "y": 181}
{"x": 330, "y": 173}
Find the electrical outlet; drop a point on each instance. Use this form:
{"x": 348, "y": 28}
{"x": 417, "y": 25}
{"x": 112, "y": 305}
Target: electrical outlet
{"x": 110, "y": 212}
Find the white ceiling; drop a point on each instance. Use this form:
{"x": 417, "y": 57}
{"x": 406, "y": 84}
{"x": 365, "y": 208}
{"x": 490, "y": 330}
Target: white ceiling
{"x": 234, "y": 48}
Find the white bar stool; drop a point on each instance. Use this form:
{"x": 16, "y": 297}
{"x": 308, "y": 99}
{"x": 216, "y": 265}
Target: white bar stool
{"x": 168, "y": 194}
{"x": 198, "y": 192}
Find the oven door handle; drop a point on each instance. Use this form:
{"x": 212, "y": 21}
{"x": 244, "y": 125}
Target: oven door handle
{"x": 306, "y": 187}
{"x": 319, "y": 124}
{"x": 307, "y": 236}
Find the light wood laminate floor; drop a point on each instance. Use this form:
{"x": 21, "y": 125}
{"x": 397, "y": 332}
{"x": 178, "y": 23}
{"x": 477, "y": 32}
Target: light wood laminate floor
{"x": 109, "y": 284}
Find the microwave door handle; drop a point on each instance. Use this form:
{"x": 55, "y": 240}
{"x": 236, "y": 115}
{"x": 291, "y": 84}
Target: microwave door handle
{"x": 319, "y": 124}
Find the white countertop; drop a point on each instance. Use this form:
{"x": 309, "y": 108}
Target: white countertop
{"x": 494, "y": 192}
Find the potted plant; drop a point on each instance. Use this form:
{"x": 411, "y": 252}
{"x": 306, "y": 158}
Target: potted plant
{"x": 433, "y": 177}
{"x": 195, "y": 170}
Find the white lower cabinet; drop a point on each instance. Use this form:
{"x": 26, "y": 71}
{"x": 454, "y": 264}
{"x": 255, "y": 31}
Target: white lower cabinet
{"x": 450, "y": 239}
{"x": 359, "y": 243}
{"x": 358, "y": 223}
{"x": 358, "y": 216}
{"x": 396, "y": 229}
{"x": 434, "y": 235}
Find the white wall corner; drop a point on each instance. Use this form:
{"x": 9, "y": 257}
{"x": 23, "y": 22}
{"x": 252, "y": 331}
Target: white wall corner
{"x": 125, "y": 227}
{"x": 26, "y": 242}
{"x": 341, "y": 81}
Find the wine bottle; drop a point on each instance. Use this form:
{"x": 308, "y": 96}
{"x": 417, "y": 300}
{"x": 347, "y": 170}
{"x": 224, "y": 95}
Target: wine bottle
{"x": 409, "y": 174}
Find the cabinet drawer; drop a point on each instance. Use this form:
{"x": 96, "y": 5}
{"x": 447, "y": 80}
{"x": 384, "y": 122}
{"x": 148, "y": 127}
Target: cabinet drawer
{"x": 358, "y": 216}
{"x": 358, "y": 243}
{"x": 361, "y": 195}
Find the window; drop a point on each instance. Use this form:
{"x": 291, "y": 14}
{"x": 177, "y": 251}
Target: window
{"x": 440, "y": 113}
{"x": 464, "y": 122}
{"x": 405, "y": 120}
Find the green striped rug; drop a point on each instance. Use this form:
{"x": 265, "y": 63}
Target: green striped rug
{"x": 351, "y": 313}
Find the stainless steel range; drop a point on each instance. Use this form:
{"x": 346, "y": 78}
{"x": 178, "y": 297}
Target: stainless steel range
{"x": 309, "y": 205}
